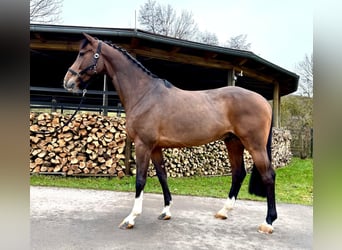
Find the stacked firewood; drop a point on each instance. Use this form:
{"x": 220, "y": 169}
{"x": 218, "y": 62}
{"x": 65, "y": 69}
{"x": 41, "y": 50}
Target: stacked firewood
{"x": 89, "y": 144}
{"x": 92, "y": 144}
{"x": 281, "y": 147}
{"x": 209, "y": 159}
{"x": 212, "y": 159}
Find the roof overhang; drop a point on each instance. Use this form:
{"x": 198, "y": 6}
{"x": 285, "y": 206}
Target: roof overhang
{"x": 161, "y": 53}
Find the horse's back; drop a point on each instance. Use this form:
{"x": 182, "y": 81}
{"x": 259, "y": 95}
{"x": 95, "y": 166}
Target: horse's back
{"x": 246, "y": 111}
{"x": 238, "y": 101}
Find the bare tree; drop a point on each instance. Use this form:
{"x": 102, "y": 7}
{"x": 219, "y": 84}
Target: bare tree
{"x": 45, "y": 11}
{"x": 207, "y": 38}
{"x": 185, "y": 26}
{"x": 150, "y": 17}
{"x": 163, "y": 19}
{"x": 167, "y": 17}
{"x": 238, "y": 42}
{"x": 305, "y": 70}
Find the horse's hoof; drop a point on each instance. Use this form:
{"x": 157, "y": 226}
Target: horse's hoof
{"x": 164, "y": 216}
{"x": 220, "y": 216}
{"x": 126, "y": 225}
{"x": 265, "y": 228}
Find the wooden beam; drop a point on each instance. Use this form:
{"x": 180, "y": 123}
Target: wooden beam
{"x": 256, "y": 75}
{"x": 182, "y": 58}
{"x": 243, "y": 61}
{"x": 63, "y": 46}
{"x": 210, "y": 55}
{"x": 134, "y": 42}
{"x": 175, "y": 50}
{"x": 203, "y": 62}
{"x": 173, "y": 56}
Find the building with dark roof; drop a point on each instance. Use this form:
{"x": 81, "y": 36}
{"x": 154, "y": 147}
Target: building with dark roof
{"x": 187, "y": 65}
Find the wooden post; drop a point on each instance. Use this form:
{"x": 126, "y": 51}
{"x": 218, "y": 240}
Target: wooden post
{"x": 276, "y": 105}
{"x": 53, "y": 105}
{"x": 231, "y": 77}
{"x": 105, "y": 96}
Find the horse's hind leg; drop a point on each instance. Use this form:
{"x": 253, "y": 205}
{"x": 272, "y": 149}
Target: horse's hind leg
{"x": 158, "y": 162}
{"x": 264, "y": 175}
{"x": 235, "y": 152}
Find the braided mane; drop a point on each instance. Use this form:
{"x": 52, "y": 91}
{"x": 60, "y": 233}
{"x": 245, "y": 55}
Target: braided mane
{"x": 132, "y": 59}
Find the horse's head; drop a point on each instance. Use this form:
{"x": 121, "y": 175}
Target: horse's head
{"x": 87, "y": 64}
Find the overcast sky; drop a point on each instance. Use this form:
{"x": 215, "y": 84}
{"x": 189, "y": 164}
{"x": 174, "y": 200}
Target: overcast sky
{"x": 279, "y": 31}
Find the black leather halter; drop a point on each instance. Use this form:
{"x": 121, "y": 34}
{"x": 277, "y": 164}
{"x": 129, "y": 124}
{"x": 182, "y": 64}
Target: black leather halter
{"x": 92, "y": 67}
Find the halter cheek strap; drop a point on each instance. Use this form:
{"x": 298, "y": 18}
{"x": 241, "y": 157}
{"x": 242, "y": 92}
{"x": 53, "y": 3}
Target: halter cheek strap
{"x": 90, "y": 67}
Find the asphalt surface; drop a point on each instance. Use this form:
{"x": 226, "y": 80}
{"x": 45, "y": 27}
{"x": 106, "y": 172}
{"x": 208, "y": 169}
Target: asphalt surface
{"x": 64, "y": 218}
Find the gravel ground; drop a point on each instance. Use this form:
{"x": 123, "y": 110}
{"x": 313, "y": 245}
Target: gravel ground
{"x": 64, "y": 218}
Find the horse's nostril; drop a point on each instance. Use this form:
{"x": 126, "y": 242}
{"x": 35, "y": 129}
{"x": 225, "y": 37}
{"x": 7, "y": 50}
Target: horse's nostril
{"x": 69, "y": 85}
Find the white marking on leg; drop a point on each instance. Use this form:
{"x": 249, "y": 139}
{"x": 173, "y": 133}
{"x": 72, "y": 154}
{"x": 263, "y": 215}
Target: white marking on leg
{"x": 265, "y": 228}
{"x": 136, "y": 210}
{"x": 166, "y": 210}
{"x": 228, "y": 205}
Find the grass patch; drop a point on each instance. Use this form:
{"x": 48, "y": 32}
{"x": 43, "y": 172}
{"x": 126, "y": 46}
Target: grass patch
{"x": 294, "y": 184}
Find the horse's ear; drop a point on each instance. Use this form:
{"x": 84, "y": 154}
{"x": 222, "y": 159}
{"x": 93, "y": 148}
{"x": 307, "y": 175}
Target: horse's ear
{"x": 89, "y": 37}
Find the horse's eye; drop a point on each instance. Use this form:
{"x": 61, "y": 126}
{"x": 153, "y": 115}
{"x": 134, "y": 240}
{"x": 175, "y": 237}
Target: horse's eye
{"x": 81, "y": 54}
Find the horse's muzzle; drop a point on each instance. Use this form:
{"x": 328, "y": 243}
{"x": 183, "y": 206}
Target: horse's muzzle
{"x": 70, "y": 85}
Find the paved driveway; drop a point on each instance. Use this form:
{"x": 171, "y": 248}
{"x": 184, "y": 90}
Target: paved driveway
{"x": 64, "y": 218}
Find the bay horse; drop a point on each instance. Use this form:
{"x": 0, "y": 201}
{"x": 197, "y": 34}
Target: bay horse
{"x": 160, "y": 115}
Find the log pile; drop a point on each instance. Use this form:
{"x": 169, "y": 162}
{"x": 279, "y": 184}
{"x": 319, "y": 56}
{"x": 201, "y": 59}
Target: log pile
{"x": 212, "y": 159}
{"x": 208, "y": 159}
{"x": 90, "y": 144}
{"x": 281, "y": 147}
{"x": 96, "y": 145}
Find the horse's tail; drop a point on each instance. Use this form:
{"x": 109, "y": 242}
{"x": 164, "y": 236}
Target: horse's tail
{"x": 256, "y": 185}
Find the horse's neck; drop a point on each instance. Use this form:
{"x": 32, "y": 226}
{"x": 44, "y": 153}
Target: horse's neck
{"x": 129, "y": 80}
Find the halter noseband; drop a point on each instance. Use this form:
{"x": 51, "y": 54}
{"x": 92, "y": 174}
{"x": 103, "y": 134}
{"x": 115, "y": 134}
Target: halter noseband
{"x": 90, "y": 67}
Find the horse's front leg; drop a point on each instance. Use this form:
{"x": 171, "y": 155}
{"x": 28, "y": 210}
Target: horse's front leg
{"x": 143, "y": 154}
{"x": 158, "y": 162}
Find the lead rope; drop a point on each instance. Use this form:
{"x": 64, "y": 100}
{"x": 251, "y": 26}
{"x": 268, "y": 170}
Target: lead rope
{"x": 67, "y": 123}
